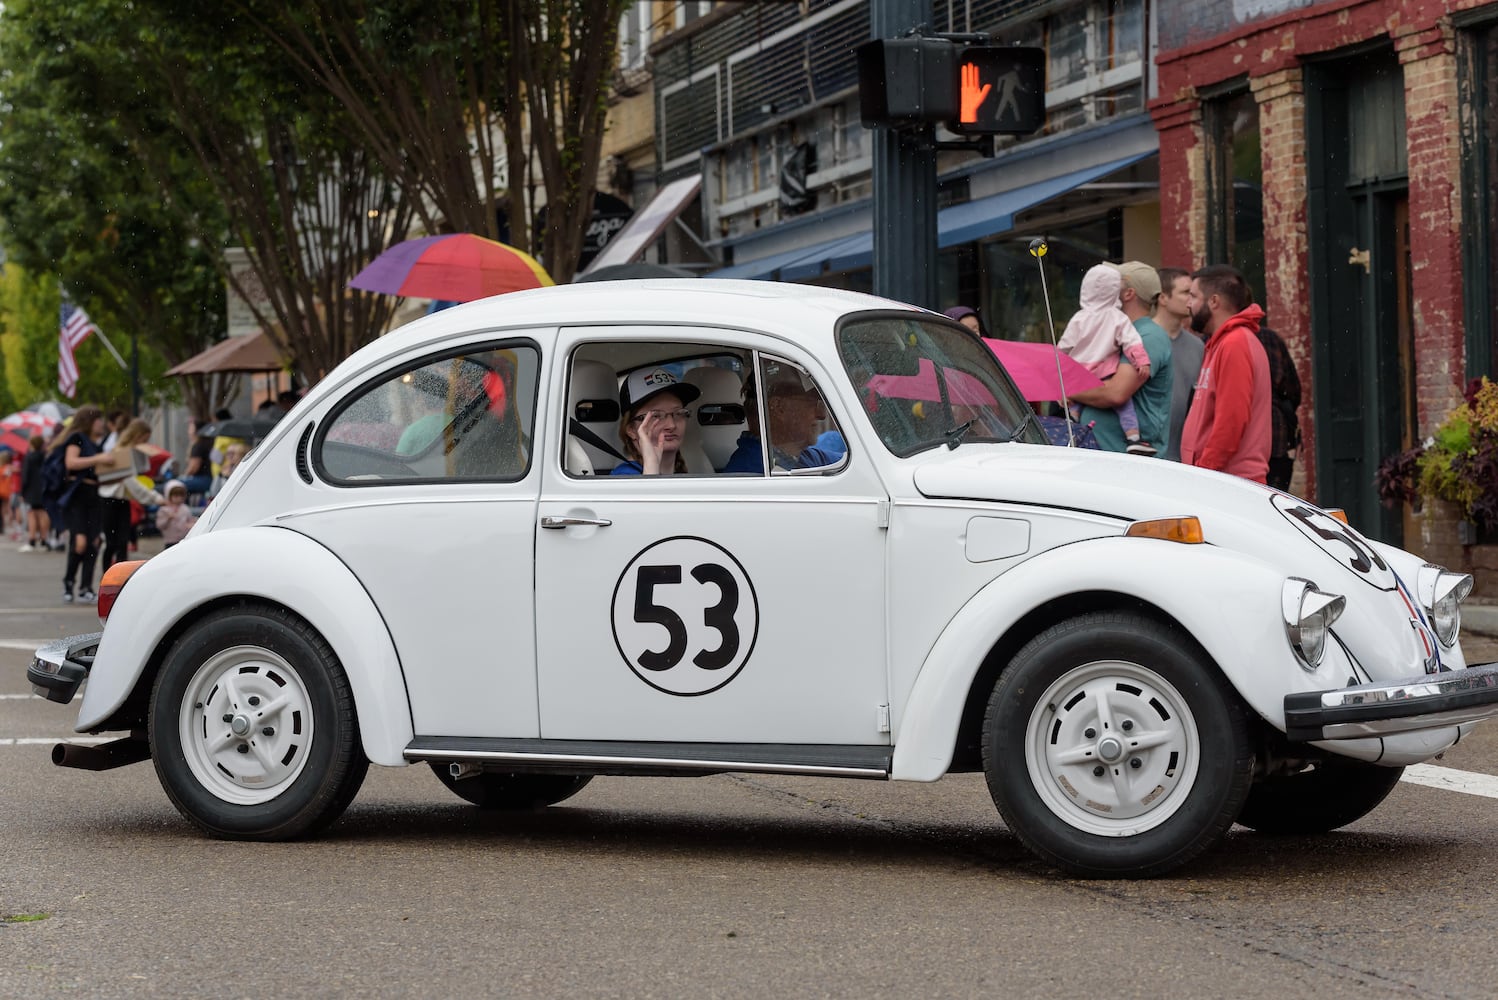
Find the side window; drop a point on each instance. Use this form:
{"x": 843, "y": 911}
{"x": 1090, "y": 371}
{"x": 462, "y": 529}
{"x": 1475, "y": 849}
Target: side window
{"x": 802, "y": 436}
{"x": 653, "y": 409}
{"x": 463, "y": 417}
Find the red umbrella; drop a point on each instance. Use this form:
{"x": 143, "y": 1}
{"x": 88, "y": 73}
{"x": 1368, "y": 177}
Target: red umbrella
{"x": 1033, "y": 368}
{"x": 459, "y": 267}
{"x": 16, "y": 430}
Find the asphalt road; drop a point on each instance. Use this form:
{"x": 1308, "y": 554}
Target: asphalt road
{"x": 723, "y": 886}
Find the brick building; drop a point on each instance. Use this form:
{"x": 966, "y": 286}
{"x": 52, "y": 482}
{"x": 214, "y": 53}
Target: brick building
{"x": 1342, "y": 154}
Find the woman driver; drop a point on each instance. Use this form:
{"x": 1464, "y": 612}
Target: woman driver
{"x": 653, "y": 402}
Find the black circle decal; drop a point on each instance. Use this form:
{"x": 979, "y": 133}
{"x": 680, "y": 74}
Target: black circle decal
{"x": 685, "y": 616}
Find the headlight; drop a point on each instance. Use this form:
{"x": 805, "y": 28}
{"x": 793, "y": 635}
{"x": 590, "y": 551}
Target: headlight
{"x": 1442, "y": 593}
{"x": 1309, "y": 614}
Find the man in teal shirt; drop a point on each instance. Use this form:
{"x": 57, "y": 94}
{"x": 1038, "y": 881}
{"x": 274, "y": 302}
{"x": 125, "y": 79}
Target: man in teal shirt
{"x": 1141, "y": 289}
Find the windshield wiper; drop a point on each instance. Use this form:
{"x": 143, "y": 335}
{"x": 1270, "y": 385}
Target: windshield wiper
{"x": 953, "y": 437}
{"x": 1026, "y": 422}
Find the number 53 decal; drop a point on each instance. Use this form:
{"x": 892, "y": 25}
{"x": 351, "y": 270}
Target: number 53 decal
{"x": 685, "y": 616}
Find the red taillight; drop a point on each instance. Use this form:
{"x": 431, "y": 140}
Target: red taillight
{"x": 114, "y": 582}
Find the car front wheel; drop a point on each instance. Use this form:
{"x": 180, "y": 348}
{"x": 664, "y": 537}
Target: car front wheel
{"x": 1114, "y": 748}
{"x": 252, "y": 726}
{"x": 494, "y": 790}
{"x": 1329, "y": 795}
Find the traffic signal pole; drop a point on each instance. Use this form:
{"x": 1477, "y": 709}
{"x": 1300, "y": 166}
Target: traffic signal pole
{"x": 904, "y": 162}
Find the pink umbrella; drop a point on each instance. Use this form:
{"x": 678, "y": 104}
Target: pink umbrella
{"x": 1033, "y": 368}
{"x": 962, "y": 389}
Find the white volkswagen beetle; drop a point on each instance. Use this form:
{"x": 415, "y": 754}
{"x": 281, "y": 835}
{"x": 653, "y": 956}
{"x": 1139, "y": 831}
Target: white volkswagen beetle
{"x": 429, "y": 561}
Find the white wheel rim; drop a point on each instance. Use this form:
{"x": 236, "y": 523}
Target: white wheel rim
{"x": 1126, "y": 721}
{"x": 246, "y": 697}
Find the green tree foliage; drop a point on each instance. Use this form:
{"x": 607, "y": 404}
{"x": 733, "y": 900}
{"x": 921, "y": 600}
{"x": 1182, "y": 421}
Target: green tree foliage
{"x": 80, "y": 212}
{"x": 432, "y": 90}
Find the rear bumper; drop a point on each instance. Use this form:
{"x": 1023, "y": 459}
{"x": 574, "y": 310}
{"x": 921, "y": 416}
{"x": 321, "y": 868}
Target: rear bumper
{"x": 1385, "y": 708}
{"x": 59, "y": 667}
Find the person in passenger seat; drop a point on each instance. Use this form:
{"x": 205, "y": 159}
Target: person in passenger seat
{"x": 652, "y": 404}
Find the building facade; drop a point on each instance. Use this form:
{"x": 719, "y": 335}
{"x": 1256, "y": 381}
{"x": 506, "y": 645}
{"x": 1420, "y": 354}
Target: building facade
{"x": 1342, "y": 154}
{"x": 761, "y": 101}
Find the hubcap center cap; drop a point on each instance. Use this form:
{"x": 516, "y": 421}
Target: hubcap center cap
{"x": 1110, "y": 749}
{"x": 240, "y": 725}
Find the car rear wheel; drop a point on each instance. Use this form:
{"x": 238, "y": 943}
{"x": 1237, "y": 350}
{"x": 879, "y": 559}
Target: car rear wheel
{"x": 1114, "y": 748}
{"x": 252, "y": 726}
{"x": 1333, "y": 793}
{"x": 515, "y": 792}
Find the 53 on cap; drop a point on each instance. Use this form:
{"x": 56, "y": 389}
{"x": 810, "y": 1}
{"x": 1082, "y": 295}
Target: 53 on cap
{"x": 646, "y": 383}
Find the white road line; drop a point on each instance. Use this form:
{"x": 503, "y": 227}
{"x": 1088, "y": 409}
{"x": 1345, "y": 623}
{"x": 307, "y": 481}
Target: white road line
{"x": 28, "y": 645}
{"x": 12, "y": 697}
{"x": 1449, "y": 778}
{"x": 29, "y": 741}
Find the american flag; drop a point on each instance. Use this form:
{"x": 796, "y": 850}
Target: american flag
{"x": 74, "y": 330}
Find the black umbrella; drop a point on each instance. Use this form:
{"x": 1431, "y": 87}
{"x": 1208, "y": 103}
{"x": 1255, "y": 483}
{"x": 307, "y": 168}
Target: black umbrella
{"x": 253, "y": 430}
{"x": 638, "y": 269}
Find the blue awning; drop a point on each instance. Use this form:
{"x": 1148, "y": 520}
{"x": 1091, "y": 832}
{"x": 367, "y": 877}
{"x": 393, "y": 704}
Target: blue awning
{"x": 959, "y": 224}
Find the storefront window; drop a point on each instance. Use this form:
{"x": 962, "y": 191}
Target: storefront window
{"x": 1480, "y": 166}
{"x": 1235, "y": 176}
{"x": 1016, "y": 307}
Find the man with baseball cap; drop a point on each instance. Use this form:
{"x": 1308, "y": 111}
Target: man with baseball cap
{"x": 793, "y": 406}
{"x": 1151, "y": 394}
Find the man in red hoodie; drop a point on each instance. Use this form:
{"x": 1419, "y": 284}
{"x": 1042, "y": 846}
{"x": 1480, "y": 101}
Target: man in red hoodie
{"x": 1229, "y": 425}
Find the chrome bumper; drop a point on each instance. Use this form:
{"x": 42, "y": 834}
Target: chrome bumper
{"x": 1426, "y": 701}
{"x": 59, "y": 667}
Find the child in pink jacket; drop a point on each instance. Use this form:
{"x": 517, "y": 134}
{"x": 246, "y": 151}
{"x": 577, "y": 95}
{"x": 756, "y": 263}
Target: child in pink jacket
{"x": 1095, "y": 336}
{"x": 174, "y": 518}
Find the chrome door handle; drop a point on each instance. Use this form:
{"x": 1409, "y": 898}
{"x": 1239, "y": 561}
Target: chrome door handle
{"x": 549, "y": 521}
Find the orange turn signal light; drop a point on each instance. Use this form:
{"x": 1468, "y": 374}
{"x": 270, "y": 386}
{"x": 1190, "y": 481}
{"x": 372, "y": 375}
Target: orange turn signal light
{"x": 1338, "y": 513}
{"x": 1187, "y": 530}
{"x": 114, "y": 582}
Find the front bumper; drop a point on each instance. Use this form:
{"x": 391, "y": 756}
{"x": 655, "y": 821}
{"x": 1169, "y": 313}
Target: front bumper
{"x": 1385, "y": 708}
{"x": 60, "y": 666}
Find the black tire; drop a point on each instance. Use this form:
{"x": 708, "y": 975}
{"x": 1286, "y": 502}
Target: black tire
{"x": 1334, "y": 793}
{"x": 512, "y": 792}
{"x": 1117, "y": 688}
{"x": 265, "y": 669}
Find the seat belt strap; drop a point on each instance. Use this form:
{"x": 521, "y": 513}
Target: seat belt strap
{"x": 576, "y": 428}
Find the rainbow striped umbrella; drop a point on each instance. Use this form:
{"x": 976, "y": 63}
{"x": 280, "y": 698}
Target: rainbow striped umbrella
{"x": 459, "y": 267}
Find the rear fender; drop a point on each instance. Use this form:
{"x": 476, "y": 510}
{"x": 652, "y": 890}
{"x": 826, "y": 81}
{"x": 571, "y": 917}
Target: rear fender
{"x": 1227, "y": 601}
{"x": 278, "y": 566}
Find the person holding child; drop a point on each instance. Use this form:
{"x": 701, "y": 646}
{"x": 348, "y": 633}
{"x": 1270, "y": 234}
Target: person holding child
{"x": 1146, "y": 386}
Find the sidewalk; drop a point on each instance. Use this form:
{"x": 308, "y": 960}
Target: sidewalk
{"x": 1480, "y": 619}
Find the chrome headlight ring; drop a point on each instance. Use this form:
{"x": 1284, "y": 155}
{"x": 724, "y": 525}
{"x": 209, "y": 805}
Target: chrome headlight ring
{"x": 1309, "y": 614}
{"x": 1441, "y": 593}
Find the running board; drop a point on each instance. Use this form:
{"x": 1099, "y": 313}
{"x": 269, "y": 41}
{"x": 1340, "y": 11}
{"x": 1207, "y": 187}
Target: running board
{"x": 628, "y": 757}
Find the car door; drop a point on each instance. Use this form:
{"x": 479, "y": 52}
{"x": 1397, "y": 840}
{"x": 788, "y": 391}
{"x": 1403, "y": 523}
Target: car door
{"x": 716, "y": 608}
{"x": 428, "y": 487}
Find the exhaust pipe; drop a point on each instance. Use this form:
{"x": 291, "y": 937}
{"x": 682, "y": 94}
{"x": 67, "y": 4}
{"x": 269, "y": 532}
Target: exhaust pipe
{"x": 465, "y": 770}
{"x": 103, "y": 757}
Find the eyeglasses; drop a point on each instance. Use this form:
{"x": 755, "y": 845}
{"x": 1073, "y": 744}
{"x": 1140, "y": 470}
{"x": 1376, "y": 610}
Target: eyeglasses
{"x": 680, "y": 416}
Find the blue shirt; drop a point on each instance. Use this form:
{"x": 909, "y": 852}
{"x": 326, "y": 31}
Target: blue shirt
{"x": 748, "y": 456}
{"x": 628, "y": 469}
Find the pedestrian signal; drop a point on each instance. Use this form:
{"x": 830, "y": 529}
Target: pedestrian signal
{"x": 1001, "y": 90}
{"x": 903, "y": 81}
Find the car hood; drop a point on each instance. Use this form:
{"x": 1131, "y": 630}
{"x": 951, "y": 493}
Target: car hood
{"x": 1124, "y": 486}
{"x": 1292, "y": 535}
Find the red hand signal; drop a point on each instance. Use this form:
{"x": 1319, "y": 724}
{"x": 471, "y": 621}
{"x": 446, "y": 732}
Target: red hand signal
{"x": 972, "y": 94}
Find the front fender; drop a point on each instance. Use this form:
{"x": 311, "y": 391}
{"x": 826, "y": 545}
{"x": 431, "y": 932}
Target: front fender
{"x": 1228, "y": 601}
{"x": 283, "y": 567}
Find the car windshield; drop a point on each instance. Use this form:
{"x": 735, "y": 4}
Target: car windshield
{"x": 926, "y": 383}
